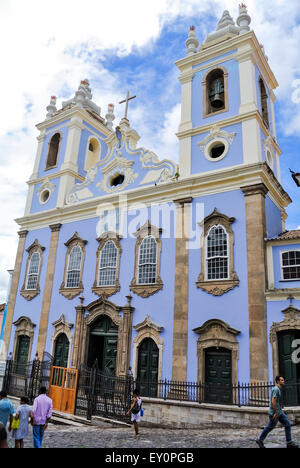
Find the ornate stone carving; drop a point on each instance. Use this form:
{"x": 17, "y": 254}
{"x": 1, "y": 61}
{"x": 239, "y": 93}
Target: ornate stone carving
{"x": 70, "y": 293}
{"x": 30, "y": 294}
{"x": 118, "y": 166}
{"x": 146, "y": 290}
{"x": 216, "y": 334}
{"x": 103, "y": 239}
{"x": 218, "y": 287}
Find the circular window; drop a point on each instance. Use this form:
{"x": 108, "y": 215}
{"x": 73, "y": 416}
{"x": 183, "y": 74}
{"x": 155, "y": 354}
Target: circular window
{"x": 116, "y": 180}
{"x": 216, "y": 150}
{"x": 44, "y": 197}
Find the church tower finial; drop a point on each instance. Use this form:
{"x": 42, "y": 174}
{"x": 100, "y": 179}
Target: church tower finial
{"x": 225, "y": 21}
{"x": 110, "y": 117}
{"x": 243, "y": 20}
{"x": 192, "y": 42}
{"x": 51, "y": 108}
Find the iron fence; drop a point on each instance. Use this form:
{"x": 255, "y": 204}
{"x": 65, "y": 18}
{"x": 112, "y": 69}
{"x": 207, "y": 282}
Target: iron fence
{"x": 254, "y": 394}
{"x": 26, "y": 379}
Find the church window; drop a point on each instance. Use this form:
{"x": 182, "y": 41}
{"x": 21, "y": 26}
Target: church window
{"x": 217, "y": 150}
{"x": 264, "y": 103}
{"x": 116, "y": 180}
{"x": 74, "y": 262}
{"x": 217, "y": 275}
{"x": 53, "y": 151}
{"x": 92, "y": 154}
{"x": 147, "y": 261}
{"x": 108, "y": 265}
{"x": 291, "y": 265}
{"x": 215, "y": 91}
{"x": 146, "y": 280}
{"x": 74, "y": 267}
{"x": 217, "y": 253}
{"x": 31, "y": 287}
{"x": 33, "y": 271}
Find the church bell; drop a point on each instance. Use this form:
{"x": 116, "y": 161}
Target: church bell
{"x": 216, "y": 95}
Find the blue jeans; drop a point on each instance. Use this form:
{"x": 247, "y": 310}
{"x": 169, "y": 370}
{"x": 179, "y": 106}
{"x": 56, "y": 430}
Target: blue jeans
{"x": 273, "y": 423}
{"x": 38, "y": 434}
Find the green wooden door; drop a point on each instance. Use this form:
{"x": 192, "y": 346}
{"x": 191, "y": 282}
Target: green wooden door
{"x": 147, "y": 375}
{"x": 22, "y": 354}
{"x": 218, "y": 376}
{"x": 103, "y": 345}
{"x": 61, "y": 351}
{"x": 287, "y": 368}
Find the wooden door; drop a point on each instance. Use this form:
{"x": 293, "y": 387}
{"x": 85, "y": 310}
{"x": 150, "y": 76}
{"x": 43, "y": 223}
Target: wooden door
{"x": 103, "y": 345}
{"x": 287, "y": 368}
{"x": 22, "y": 354}
{"x": 63, "y": 386}
{"x": 218, "y": 376}
{"x": 147, "y": 375}
{"x": 61, "y": 351}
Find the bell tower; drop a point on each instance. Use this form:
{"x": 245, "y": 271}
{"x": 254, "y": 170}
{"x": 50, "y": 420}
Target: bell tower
{"x": 227, "y": 113}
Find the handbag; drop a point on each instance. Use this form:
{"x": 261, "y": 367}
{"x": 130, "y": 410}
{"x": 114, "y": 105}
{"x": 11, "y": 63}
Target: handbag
{"x": 15, "y": 423}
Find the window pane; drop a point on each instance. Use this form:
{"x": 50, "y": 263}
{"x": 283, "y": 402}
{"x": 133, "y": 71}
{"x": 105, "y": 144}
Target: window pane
{"x": 108, "y": 265}
{"x": 147, "y": 261}
{"x": 33, "y": 271}
{"x": 73, "y": 275}
{"x": 217, "y": 254}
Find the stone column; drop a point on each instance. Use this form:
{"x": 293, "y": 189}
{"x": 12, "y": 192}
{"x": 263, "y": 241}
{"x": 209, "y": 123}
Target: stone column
{"x": 76, "y": 358}
{"x": 13, "y": 293}
{"x": 257, "y": 276}
{"x": 181, "y": 291}
{"x": 124, "y": 344}
{"x": 55, "y": 228}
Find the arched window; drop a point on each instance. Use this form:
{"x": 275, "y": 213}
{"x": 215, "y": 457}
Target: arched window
{"x": 217, "y": 254}
{"x": 217, "y": 274}
{"x": 147, "y": 261}
{"x": 92, "y": 154}
{"x": 108, "y": 265}
{"x": 61, "y": 353}
{"x": 74, "y": 267}
{"x": 33, "y": 271}
{"x": 264, "y": 103}
{"x": 215, "y": 91}
{"x": 53, "y": 151}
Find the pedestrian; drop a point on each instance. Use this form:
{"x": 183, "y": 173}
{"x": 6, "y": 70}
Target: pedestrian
{"x": 3, "y": 436}
{"x": 22, "y": 415}
{"x": 40, "y": 416}
{"x": 135, "y": 411}
{"x": 6, "y": 410}
{"x": 276, "y": 414}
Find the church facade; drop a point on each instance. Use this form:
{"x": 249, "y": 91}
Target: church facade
{"x": 184, "y": 272}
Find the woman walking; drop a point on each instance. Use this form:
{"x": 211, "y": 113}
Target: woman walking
{"x": 22, "y": 414}
{"x": 135, "y": 411}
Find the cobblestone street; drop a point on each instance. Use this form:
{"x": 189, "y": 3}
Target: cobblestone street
{"x": 107, "y": 436}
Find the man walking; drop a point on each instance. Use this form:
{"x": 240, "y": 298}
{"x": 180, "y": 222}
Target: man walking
{"x": 6, "y": 410}
{"x": 276, "y": 414}
{"x": 40, "y": 416}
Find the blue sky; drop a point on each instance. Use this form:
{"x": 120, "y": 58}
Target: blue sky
{"x": 119, "y": 46}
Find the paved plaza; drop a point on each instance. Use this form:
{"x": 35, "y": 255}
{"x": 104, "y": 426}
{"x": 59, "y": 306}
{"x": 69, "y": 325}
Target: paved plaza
{"x": 107, "y": 436}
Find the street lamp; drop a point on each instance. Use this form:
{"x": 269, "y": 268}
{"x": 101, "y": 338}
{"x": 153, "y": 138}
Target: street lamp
{"x": 296, "y": 177}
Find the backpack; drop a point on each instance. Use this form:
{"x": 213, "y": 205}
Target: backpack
{"x": 137, "y": 408}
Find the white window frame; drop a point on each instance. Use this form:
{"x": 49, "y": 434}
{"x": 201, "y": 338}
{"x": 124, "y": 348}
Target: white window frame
{"x": 103, "y": 268}
{"x": 282, "y": 252}
{"x": 37, "y": 274}
{"x": 210, "y": 258}
{"x": 138, "y": 263}
{"x": 67, "y": 272}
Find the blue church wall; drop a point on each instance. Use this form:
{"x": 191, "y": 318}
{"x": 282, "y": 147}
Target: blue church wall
{"x": 234, "y": 156}
{"x": 36, "y": 206}
{"x": 85, "y": 135}
{"x": 160, "y": 306}
{"x": 258, "y": 75}
{"x": 63, "y": 130}
{"x": 279, "y": 283}
{"x": 273, "y": 219}
{"x": 234, "y": 98}
{"x": 32, "y": 309}
{"x": 231, "y": 307}
{"x": 220, "y": 57}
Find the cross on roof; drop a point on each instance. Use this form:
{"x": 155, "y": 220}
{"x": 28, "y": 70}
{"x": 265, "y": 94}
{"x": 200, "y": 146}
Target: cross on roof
{"x": 128, "y": 98}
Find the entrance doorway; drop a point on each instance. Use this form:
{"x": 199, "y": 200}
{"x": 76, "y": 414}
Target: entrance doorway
{"x": 287, "y": 368}
{"x": 103, "y": 345}
{"x": 22, "y": 354}
{"x": 147, "y": 375}
{"x": 218, "y": 376}
{"x": 61, "y": 353}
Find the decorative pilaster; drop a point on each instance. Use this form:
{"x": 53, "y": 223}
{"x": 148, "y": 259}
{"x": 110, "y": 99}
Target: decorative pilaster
{"x": 13, "y": 293}
{"x": 256, "y": 259}
{"x": 55, "y": 228}
{"x": 79, "y": 325}
{"x": 124, "y": 345}
{"x": 181, "y": 290}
